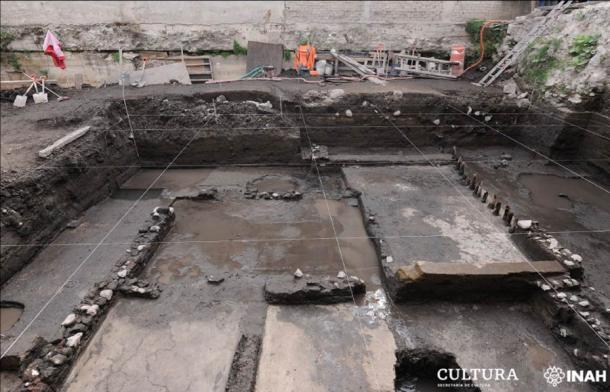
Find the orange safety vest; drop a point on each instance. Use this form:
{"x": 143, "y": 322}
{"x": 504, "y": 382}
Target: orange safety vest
{"x": 305, "y": 57}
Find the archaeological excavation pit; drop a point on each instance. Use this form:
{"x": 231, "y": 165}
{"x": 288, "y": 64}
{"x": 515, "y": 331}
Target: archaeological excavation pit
{"x": 302, "y": 239}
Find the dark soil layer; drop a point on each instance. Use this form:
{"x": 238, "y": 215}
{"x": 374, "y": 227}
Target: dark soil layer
{"x": 242, "y": 128}
{"x": 37, "y": 205}
{"x": 215, "y": 130}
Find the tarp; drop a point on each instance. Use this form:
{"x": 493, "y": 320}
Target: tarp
{"x": 52, "y": 47}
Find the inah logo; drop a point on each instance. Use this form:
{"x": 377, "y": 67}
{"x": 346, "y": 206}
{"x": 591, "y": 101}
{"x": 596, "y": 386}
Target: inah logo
{"x": 554, "y": 375}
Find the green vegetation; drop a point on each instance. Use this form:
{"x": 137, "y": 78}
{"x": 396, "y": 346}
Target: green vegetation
{"x": 223, "y": 53}
{"x": 492, "y": 37}
{"x": 582, "y": 49}
{"x": 287, "y": 54}
{"x": 5, "y": 39}
{"x": 238, "y": 49}
{"x": 116, "y": 56}
{"x": 540, "y": 61}
{"x": 14, "y": 62}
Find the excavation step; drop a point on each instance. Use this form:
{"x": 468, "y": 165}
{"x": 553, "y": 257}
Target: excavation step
{"x": 380, "y": 159}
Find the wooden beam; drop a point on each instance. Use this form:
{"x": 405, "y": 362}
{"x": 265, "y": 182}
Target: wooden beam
{"x": 69, "y": 138}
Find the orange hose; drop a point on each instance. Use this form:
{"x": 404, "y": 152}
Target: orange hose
{"x": 482, "y": 43}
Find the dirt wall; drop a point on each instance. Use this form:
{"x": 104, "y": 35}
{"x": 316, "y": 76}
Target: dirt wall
{"x": 39, "y": 204}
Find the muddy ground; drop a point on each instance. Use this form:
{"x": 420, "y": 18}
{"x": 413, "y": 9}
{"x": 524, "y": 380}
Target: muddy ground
{"x": 250, "y": 207}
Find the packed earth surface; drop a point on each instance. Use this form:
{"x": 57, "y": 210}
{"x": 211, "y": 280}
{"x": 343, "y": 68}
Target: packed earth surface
{"x": 293, "y": 236}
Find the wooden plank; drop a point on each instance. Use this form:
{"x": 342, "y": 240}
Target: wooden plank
{"x": 69, "y": 138}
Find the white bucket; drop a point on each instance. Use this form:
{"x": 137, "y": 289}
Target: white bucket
{"x": 40, "y": 98}
{"x": 20, "y": 101}
{"x": 321, "y": 67}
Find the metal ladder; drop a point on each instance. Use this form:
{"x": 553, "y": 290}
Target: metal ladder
{"x": 516, "y": 51}
{"x": 424, "y": 66}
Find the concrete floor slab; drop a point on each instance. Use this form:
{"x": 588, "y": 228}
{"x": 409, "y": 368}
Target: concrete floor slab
{"x": 271, "y": 236}
{"x": 321, "y": 348}
{"x": 423, "y": 217}
{"x": 173, "y": 345}
{"x": 268, "y": 236}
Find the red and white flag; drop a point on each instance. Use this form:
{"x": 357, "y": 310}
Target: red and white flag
{"x": 52, "y": 47}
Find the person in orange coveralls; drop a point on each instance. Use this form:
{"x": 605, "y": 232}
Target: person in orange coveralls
{"x": 304, "y": 58}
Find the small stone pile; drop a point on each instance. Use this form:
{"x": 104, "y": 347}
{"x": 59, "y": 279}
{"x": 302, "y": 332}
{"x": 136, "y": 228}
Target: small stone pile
{"x": 255, "y": 194}
{"x": 140, "y": 288}
{"x": 316, "y": 152}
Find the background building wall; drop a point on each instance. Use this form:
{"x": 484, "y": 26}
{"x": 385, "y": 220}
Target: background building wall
{"x": 152, "y": 25}
{"x": 92, "y": 32}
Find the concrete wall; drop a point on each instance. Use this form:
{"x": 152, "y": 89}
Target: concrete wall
{"x": 151, "y": 25}
{"x": 96, "y": 68}
{"x": 90, "y": 31}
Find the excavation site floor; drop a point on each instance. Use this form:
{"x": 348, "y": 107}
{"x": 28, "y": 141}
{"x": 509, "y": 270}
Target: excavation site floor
{"x": 195, "y": 325}
{"x": 186, "y": 339}
{"x": 291, "y": 236}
